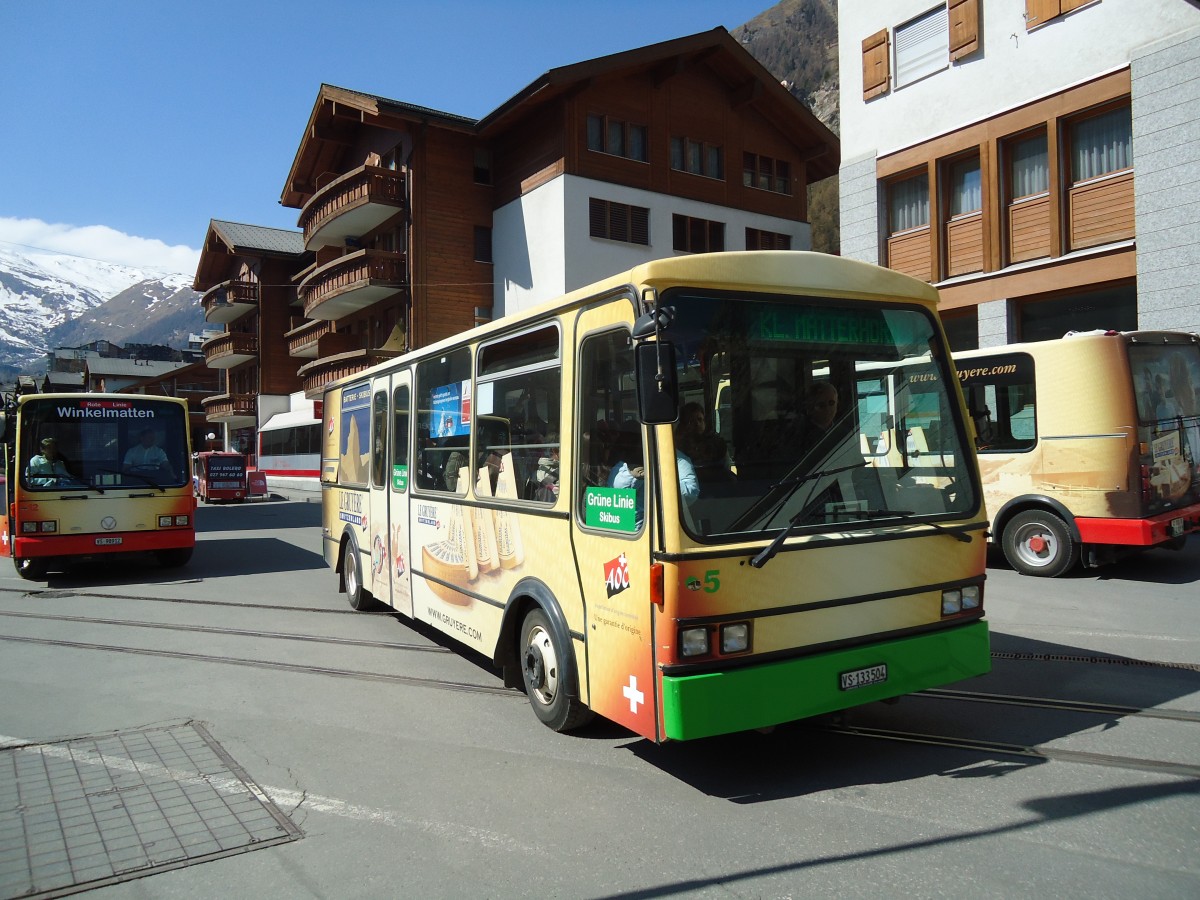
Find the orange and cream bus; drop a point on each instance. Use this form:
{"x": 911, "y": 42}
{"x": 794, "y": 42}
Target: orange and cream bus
{"x": 521, "y": 488}
{"x": 91, "y": 474}
{"x": 1088, "y": 445}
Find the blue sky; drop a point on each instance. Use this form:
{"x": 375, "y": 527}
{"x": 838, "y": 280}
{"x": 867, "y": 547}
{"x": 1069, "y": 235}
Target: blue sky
{"x": 128, "y": 124}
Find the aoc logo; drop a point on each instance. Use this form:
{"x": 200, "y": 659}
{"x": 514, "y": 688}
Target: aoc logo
{"x": 616, "y": 575}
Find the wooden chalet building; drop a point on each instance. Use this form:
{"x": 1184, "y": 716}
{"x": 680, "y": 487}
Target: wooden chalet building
{"x": 246, "y": 276}
{"x": 421, "y": 223}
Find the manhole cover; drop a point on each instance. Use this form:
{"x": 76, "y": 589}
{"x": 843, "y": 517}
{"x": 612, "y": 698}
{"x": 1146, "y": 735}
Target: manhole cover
{"x": 87, "y": 812}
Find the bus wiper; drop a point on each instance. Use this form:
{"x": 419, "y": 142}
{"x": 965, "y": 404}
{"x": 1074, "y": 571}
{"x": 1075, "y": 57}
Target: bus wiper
{"x": 792, "y": 484}
{"x": 875, "y": 515}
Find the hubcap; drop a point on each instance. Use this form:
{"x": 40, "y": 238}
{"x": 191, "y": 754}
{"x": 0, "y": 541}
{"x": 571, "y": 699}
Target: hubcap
{"x": 541, "y": 666}
{"x": 1037, "y": 546}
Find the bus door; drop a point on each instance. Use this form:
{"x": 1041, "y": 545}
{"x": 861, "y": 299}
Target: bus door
{"x": 397, "y": 543}
{"x": 387, "y": 508}
{"x": 611, "y": 523}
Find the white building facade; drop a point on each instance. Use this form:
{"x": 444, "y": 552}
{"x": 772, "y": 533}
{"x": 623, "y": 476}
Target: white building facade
{"x": 1038, "y": 161}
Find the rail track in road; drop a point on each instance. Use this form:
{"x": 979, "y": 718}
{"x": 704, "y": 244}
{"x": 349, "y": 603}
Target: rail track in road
{"x": 990, "y": 747}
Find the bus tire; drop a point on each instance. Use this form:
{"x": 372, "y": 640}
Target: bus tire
{"x": 31, "y": 569}
{"x": 174, "y": 557}
{"x": 1037, "y": 542}
{"x": 553, "y": 700}
{"x": 356, "y": 595}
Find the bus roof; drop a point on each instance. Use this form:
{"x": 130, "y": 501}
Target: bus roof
{"x": 799, "y": 272}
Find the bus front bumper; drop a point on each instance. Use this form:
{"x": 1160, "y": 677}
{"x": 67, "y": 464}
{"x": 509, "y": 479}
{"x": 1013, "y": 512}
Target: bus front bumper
{"x": 31, "y": 547}
{"x": 696, "y": 706}
{"x": 1140, "y": 532}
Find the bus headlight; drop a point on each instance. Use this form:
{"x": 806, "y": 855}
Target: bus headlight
{"x": 181, "y": 520}
{"x": 962, "y": 599}
{"x": 29, "y": 527}
{"x": 50, "y": 526}
{"x": 694, "y": 641}
{"x": 164, "y": 521}
{"x": 735, "y": 638}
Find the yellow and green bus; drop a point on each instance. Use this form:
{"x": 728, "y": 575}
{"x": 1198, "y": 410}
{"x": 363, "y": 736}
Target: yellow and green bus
{"x": 95, "y": 474}
{"x": 530, "y": 488}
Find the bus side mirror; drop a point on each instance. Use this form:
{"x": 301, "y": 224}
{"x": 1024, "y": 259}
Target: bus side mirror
{"x": 3, "y": 428}
{"x": 657, "y": 385}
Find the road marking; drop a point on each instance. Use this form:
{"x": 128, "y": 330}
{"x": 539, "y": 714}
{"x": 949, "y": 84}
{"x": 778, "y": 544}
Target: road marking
{"x": 285, "y": 798}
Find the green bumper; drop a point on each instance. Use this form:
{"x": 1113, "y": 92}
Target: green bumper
{"x": 696, "y": 706}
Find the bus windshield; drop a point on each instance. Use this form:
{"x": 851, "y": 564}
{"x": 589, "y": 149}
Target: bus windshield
{"x": 84, "y": 444}
{"x": 814, "y": 414}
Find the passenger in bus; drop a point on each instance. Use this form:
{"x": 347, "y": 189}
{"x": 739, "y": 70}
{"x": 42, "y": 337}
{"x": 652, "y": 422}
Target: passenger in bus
{"x": 629, "y": 472}
{"x": 48, "y": 467}
{"x": 146, "y": 455}
{"x": 705, "y": 449}
{"x": 546, "y": 476}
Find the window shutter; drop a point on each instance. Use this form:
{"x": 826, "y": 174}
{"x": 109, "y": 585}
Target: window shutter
{"x": 640, "y": 225}
{"x": 875, "y": 65}
{"x": 964, "y": 27}
{"x": 1038, "y": 12}
{"x": 598, "y": 218}
{"x": 1068, "y": 5}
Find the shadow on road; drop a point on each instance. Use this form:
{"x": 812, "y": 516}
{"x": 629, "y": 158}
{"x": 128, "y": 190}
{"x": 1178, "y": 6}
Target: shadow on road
{"x": 258, "y": 515}
{"x": 1158, "y": 566}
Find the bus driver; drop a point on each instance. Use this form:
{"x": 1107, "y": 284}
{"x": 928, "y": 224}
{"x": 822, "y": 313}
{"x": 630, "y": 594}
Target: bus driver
{"x": 147, "y": 454}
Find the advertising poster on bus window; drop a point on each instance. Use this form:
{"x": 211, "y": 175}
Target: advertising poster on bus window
{"x": 355, "y": 450}
{"x": 451, "y": 405}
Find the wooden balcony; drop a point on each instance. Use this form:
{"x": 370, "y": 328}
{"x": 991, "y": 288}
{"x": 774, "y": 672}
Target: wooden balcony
{"x": 321, "y": 371}
{"x": 237, "y": 410}
{"x": 352, "y": 205}
{"x": 230, "y": 300}
{"x": 230, "y": 349}
{"x": 351, "y": 283}
{"x": 302, "y": 340}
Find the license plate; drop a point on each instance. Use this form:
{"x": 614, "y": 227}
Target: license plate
{"x": 1176, "y": 527}
{"x": 107, "y": 542}
{"x": 848, "y": 681}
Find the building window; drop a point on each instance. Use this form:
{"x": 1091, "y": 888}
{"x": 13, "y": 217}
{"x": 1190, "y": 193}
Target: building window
{"x": 767, "y": 240}
{"x": 766, "y": 174}
{"x": 617, "y": 138}
{"x": 483, "y": 165}
{"x": 1101, "y": 145}
{"x": 922, "y": 46}
{"x": 1109, "y": 309}
{"x": 619, "y": 221}
{"x": 908, "y": 204}
{"x": 966, "y": 190}
{"x": 483, "y": 244}
{"x": 698, "y": 235}
{"x": 697, "y": 157}
{"x": 1030, "y": 172}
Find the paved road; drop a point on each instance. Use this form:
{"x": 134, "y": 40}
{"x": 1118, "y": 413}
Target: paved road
{"x": 171, "y": 723}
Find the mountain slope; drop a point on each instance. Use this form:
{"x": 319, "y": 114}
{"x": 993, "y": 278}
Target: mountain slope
{"x": 49, "y": 300}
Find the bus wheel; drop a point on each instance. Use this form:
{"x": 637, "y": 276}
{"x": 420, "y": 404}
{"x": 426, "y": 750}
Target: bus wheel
{"x": 356, "y": 595}
{"x": 174, "y": 557}
{"x": 1037, "y": 542}
{"x": 543, "y": 674}
{"x": 31, "y": 569}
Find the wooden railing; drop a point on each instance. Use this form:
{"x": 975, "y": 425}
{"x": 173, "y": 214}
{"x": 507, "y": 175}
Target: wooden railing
{"x": 302, "y": 340}
{"x": 318, "y": 373}
{"x": 367, "y": 184}
{"x": 230, "y": 293}
{"x": 354, "y": 271}
{"x": 223, "y": 406}
{"x": 230, "y": 343}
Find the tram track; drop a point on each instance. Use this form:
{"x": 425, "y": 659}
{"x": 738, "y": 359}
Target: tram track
{"x": 234, "y": 632}
{"x": 300, "y": 668}
{"x": 1001, "y": 748}
{"x": 1055, "y": 703}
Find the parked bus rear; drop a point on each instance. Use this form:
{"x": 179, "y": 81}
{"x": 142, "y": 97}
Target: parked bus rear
{"x": 1089, "y": 445}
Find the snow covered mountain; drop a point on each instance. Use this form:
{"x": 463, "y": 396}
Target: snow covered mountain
{"x": 49, "y": 300}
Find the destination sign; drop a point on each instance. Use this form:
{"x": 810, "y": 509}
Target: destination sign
{"x": 826, "y": 325}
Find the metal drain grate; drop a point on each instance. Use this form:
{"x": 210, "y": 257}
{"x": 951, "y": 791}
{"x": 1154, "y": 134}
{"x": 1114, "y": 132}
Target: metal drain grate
{"x": 88, "y": 812}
